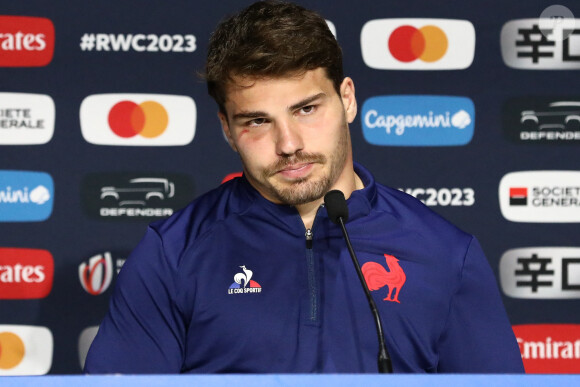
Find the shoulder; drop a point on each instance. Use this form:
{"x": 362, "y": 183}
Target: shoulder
{"x": 415, "y": 217}
{"x": 203, "y": 214}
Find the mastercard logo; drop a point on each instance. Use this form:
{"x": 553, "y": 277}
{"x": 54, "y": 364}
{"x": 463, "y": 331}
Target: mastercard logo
{"x": 25, "y": 350}
{"x": 418, "y": 44}
{"x": 148, "y": 119}
{"x": 138, "y": 119}
{"x": 12, "y": 350}
{"x": 408, "y": 43}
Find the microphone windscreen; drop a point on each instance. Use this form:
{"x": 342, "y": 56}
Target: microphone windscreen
{"x": 336, "y": 207}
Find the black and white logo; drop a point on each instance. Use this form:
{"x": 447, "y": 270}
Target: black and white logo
{"x": 542, "y": 120}
{"x": 135, "y": 196}
{"x": 541, "y": 272}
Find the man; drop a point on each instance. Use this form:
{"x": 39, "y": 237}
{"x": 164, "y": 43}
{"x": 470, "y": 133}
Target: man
{"x": 254, "y": 277}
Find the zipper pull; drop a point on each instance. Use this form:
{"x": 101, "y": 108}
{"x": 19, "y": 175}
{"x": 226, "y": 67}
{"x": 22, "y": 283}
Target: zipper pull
{"x": 308, "y": 236}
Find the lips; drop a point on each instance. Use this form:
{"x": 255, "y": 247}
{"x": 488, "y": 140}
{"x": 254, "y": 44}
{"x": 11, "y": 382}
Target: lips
{"x": 296, "y": 171}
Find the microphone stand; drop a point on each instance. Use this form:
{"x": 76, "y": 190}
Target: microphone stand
{"x": 384, "y": 361}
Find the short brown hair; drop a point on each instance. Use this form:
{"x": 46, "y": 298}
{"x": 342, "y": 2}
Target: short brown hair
{"x": 270, "y": 39}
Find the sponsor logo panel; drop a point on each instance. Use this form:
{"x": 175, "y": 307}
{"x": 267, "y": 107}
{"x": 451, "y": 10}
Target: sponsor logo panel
{"x": 542, "y": 120}
{"x": 25, "y": 196}
{"x": 25, "y": 273}
{"x": 443, "y": 197}
{"x": 541, "y": 272}
{"x": 135, "y": 196}
{"x": 540, "y": 196}
{"x": 418, "y": 44}
{"x": 25, "y": 350}
{"x": 96, "y": 273}
{"x": 26, "y": 41}
{"x": 529, "y": 44}
{"x": 418, "y": 120}
{"x": 549, "y": 348}
{"x": 26, "y": 119}
{"x": 138, "y": 119}
{"x": 85, "y": 340}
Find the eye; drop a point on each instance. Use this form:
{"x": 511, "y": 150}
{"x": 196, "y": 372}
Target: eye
{"x": 256, "y": 122}
{"x": 305, "y": 110}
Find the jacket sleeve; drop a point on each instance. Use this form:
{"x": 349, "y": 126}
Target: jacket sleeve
{"x": 142, "y": 332}
{"x": 478, "y": 338}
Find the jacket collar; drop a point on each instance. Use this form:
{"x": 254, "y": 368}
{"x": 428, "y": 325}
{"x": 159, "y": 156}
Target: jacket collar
{"x": 359, "y": 203}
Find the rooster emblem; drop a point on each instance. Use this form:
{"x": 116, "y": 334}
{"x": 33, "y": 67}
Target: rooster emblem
{"x": 377, "y": 276}
{"x": 245, "y": 276}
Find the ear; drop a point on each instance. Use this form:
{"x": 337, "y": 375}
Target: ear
{"x": 226, "y": 130}
{"x": 348, "y": 99}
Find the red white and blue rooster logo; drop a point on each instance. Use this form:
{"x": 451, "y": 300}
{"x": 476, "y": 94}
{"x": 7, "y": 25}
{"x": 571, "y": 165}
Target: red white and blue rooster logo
{"x": 243, "y": 283}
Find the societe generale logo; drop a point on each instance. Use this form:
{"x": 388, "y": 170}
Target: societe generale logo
{"x": 549, "y": 348}
{"x": 25, "y": 273}
{"x": 541, "y": 272}
{"x": 418, "y": 44}
{"x": 25, "y": 350}
{"x": 26, "y": 119}
{"x": 138, "y": 119}
{"x": 540, "y": 196}
{"x": 26, "y": 41}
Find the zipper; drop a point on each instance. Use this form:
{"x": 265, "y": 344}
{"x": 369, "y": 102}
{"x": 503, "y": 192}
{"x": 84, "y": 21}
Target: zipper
{"x": 313, "y": 276}
{"x": 308, "y": 235}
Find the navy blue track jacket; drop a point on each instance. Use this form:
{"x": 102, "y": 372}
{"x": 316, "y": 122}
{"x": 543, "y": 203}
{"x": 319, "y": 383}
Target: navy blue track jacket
{"x": 232, "y": 283}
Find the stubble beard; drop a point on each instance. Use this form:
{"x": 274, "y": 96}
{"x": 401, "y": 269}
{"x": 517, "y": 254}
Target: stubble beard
{"x": 308, "y": 189}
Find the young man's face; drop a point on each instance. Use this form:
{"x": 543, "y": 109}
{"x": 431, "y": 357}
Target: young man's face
{"x": 292, "y": 134}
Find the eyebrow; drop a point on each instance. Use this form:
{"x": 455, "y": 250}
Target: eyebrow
{"x": 258, "y": 114}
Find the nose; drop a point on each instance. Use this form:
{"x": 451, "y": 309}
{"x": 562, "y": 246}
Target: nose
{"x": 288, "y": 139}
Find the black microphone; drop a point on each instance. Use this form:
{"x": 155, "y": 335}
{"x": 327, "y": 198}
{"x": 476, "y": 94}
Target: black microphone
{"x": 337, "y": 209}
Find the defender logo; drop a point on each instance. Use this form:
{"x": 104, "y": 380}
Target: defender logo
{"x": 542, "y": 120}
{"x": 144, "y": 196}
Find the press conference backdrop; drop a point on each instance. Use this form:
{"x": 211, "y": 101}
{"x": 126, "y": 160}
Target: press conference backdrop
{"x": 471, "y": 106}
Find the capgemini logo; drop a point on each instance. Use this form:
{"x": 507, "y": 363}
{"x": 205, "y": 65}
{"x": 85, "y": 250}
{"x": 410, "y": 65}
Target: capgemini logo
{"x": 418, "y": 120}
{"x": 96, "y": 274}
{"x": 38, "y": 195}
{"x": 25, "y": 196}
